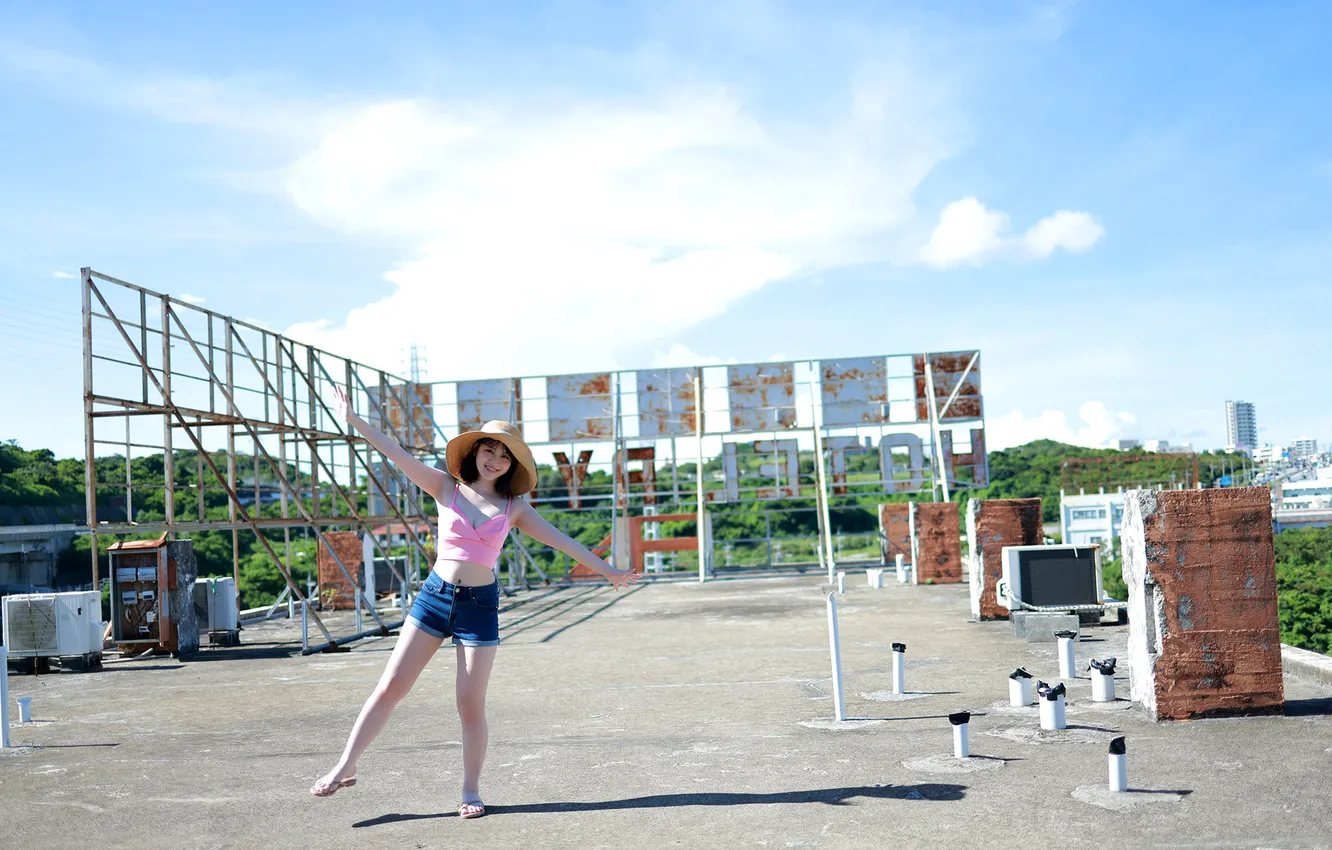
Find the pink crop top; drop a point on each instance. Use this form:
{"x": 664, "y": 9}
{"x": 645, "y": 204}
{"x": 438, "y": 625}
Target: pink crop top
{"x": 459, "y": 540}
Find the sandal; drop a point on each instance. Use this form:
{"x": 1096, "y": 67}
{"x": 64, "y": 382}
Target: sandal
{"x": 473, "y": 809}
{"x": 330, "y": 790}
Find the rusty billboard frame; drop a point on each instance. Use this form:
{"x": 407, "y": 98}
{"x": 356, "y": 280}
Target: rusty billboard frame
{"x": 162, "y": 368}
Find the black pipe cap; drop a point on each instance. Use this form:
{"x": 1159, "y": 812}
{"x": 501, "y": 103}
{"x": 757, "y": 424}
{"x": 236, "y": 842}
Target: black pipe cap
{"x": 899, "y": 647}
{"x": 1065, "y": 633}
{"x": 1020, "y": 673}
{"x": 1058, "y": 690}
{"x": 1107, "y": 666}
{"x": 1117, "y": 747}
{"x": 959, "y": 717}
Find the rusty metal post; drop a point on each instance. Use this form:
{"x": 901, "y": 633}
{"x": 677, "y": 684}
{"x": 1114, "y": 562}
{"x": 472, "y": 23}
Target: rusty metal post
{"x": 824, "y": 547}
{"x": 615, "y": 465}
{"x": 940, "y": 474}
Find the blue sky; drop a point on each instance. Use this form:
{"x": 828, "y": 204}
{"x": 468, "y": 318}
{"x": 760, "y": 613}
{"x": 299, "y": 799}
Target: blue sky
{"x": 1126, "y": 207}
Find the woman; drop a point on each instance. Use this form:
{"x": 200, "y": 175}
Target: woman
{"x": 460, "y": 599}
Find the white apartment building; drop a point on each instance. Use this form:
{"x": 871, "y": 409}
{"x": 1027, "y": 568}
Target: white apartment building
{"x": 1092, "y": 519}
{"x": 1303, "y": 448}
{"x": 1166, "y": 447}
{"x": 1269, "y": 454}
{"x": 1241, "y": 426}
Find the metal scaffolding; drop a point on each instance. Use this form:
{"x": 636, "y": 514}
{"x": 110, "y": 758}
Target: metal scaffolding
{"x": 255, "y": 411}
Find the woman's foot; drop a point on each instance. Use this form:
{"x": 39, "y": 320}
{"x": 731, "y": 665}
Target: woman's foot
{"x": 471, "y": 807}
{"x": 329, "y": 785}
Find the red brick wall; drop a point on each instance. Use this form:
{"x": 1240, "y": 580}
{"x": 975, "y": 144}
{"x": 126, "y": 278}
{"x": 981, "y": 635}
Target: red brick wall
{"x": 936, "y": 541}
{"x": 1202, "y": 579}
{"x": 895, "y": 522}
{"x": 334, "y": 589}
{"x": 993, "y": 524}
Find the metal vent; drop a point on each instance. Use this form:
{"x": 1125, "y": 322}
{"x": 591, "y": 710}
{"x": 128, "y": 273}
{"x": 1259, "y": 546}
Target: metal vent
{"x": 30, "y": 625}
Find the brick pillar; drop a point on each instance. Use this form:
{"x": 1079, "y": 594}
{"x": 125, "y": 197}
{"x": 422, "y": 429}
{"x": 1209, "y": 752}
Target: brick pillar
{"x": 993, "y": 524}
{"x": 936, "y": 543}
{"x": 334, "y": 589}
{"x": 895, "y": 523}
{"x": 1201, "y": 576}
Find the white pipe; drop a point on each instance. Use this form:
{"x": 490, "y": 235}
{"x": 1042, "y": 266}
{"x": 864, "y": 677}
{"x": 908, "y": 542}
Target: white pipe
{"x": 4, "y": 697}
{"x": 1066, "y": 670}
{"x": 1103, "y": 687}
{"x": 841, "y": 582}
{"x": 1052, "y": 708}
{"x": 25, "y": 709}
{"x": 899, "y": 674}
{"x": 1118, "y": 765}
{"x": 839, "y": 707}
{"x": 1019, "y": 688}
{"x": 305, "y": 625}
{"x": 961, "y": 743}
{"x": 901, "y": 569}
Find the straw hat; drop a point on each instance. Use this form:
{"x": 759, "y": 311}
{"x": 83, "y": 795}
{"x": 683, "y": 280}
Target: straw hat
{"x": 524, "y": 477}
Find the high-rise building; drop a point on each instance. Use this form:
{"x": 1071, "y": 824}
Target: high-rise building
{"x": 1303, "y": 448}
{"x": 1241, "y": 427}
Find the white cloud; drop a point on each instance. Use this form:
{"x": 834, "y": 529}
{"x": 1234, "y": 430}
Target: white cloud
{"x": 681, "y": 356}
{"x": 1099, "y": 425}
{"x": 62, "y": 275}
{"x": 191, "y": 299}
{"x": 970, "y": 234}
{"x": 541, "y": 238}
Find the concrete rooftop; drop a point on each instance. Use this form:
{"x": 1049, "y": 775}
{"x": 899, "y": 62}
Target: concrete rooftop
{"x": 673, "y": 715}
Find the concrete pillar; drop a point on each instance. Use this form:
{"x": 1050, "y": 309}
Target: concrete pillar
{"x": 936, "y": 543}
{"x": 993, "y": 524}
{"x": 1201, "y": 576}
{"x": 895, "y": 523}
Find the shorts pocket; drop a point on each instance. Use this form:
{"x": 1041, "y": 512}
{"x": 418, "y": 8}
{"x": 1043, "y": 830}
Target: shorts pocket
{"x": 487, "y": 598}
{"x": 434, "y": 583}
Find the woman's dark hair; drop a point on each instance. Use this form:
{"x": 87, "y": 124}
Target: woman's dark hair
{"x": 503, "y": 484}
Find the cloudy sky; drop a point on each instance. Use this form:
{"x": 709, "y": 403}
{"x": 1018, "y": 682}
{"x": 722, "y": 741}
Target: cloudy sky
{"x": 1126, "y": 207}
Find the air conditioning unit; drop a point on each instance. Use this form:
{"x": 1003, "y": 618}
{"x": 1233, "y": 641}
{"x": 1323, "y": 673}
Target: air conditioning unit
{"x": 53, "y": 624}
{"x": 1050, "y": 577}
{"x": 215, "y": 604}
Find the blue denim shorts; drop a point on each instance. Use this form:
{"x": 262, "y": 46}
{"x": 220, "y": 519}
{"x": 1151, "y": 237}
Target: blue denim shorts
{"x": 470, "y": 615}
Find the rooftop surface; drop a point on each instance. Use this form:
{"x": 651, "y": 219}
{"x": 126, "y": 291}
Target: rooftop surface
{"x": 671, "y": 715}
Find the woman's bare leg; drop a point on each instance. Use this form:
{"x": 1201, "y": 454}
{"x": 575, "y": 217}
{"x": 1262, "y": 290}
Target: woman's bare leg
{"x": 414, "y": 650}
{"x": 474, "y": 666}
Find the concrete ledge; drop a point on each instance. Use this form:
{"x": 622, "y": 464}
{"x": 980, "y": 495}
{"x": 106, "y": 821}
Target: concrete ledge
{"x": 1040, "y": 626}
{"x": 1302, "y": 663}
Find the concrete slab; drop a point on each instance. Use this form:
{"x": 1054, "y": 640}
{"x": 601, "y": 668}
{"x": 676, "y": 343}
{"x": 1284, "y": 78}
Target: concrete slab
{"x": 673, "y": 715}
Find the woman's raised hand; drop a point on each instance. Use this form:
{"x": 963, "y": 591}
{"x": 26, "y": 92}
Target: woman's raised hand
{"x": 343, "y": 404}
{"x": 622, "y": 579}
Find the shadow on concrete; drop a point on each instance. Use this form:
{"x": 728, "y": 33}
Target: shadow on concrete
{"x": 246, "y": 652}
{"x": 589, "y": 615}
{"x": 831, "y": 796}
{"x": 1182, "y": 793}
{"x": 1308, "y": 707}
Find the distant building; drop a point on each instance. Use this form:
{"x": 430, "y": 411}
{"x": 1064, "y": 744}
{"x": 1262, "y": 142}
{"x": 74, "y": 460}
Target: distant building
{"x": 1241, "y": 427}
{"x": 1166, "y": 447}
{"x": 1269, "y": 454}
{"x": 1093, "y": 519}
{"x": 1312, "y": 494}
{"x": 1304, "y": 448}
{"x": 1131, "y": 443}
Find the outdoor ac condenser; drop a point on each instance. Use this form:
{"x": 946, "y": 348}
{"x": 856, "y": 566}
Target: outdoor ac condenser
{"x": 53, "y": 624}
{"x": 1050, "y": 576}
{"x": 215, "y": 603}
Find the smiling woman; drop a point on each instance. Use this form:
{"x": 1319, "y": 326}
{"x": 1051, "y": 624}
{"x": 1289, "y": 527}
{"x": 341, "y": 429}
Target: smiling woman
{"x": 488, "y": 469}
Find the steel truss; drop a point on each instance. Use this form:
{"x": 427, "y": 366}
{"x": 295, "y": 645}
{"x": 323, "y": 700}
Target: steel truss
{"x": 156, "y": 368}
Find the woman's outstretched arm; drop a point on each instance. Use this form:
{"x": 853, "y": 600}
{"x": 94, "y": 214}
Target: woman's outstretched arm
{"x": 534, "y": 525}
{"x": 434, "y": 481}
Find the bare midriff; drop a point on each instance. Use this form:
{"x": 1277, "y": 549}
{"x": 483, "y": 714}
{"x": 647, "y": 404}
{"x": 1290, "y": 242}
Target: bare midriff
{"x": 464, "y": 573}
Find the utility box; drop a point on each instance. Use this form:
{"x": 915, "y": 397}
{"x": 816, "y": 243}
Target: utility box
{"x": 66, "y": 626}
{"x": 152, "y": 583}
{"x": 1201, "y": 575}
{"x": 215, "y": 610}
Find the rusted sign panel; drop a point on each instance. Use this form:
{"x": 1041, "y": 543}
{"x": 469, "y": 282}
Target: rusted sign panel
{"x": 786, "y": 472}
{"x": 974, "y": 461}
{"x": 854, "y": 391}
{"x": 481, "y": 401}
{"x": 580, "y": 407}
{"x": 761, "y": 397}
{"x": 666, "y": 402}
{"x": 421, "y": 435}
{"x": 948, "y": 368}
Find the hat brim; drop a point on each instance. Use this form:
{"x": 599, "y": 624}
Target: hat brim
{"x": 524, "y": 477}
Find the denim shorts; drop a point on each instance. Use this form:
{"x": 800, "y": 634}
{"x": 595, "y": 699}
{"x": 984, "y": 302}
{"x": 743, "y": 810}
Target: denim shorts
{"x": 470, "y": 615}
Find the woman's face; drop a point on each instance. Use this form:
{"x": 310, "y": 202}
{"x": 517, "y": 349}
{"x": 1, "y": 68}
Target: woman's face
{"x": 492, "y": 460}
